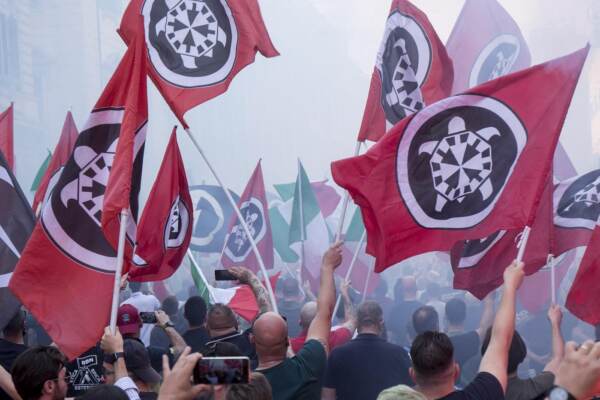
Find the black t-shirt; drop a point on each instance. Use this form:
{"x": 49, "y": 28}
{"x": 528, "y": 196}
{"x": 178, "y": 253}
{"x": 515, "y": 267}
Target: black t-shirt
{"x": 399, "y": 317}
{"x": 196, "y": 338}
{"x": 365, "y": 366}
{"x": 466, "y": 345}
{"x": 484, "y": 386}
{"x": 148, "y": 396}
{"x": 9, "y": 351}
{"x": 85, "y": 372}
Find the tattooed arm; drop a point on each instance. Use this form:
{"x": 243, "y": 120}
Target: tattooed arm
{"x": 244, "y": 275}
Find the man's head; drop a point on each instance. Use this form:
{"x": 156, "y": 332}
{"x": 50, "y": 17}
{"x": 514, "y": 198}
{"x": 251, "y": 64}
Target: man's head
{"x": 40, "y": 373}
{"x": 425, "y": 319}
{"x": 135, "y": 286}
{"x": 270, "y": 336}
{"x": 516, "y": 353}
{"x": 15, "y": 328}
{"x": 195, "y": 311}
{"x": 369, "y": 318}
{"x": 290, "y": 289}
{"x": 221, "y": 320}
{"x": 307, "y": 314}
{"x": 409, "y": 287}
{"x": 433, "y": 363}
{"x": 103, "y": 392}
{"x": 456, "y": 312}
{"x": 138, "y": 364}
{"x": 170, "y": 306}
{"x": 128, "y": 321}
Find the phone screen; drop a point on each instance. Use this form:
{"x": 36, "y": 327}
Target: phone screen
{"x": 222, "y": 371}
{"x": 148, "y": 317}
{"x": 224, "y": 275}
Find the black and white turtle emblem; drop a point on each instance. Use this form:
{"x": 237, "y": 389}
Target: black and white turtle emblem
{"x": 192, "y": 43}
{"x": 577, "y": 201}
{"x": 403, "y": 61}
{"x": 496, "y": 59}
{"x": 452, "y": 165}
{"x": 238, "y": 246}
{"x": 73, "y": 214}
{"x": 177, "y": 225}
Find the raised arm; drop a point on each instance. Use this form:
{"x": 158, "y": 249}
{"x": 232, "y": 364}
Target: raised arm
{"x": 487, "y": 317}
{"x": 7, "y": 384}
{"x": 164, "y": 322}
{"x": 321, "y": 324}
{"x": 245, "y": 276}
{"x": 349, "y": 315}
{"x": 495, "y": 359}
{"x": 558, "y": 343}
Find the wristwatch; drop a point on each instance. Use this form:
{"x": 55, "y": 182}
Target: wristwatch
{"x": 560, "y": 393}
{"x": 115, "y": 356}
{"x": 168, "y": 325}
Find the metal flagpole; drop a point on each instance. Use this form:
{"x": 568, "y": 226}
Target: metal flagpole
{"x": 523, "y": 243}
{"x": 367, "y": 281}
{"x": 239, "y": 215}
{"x": 349, "y": 272}
{"x": 552, "y": 262}
{"x": 119, "y": 270}
{"x": 199, "y": 270}
{"x": 338, "y": 236}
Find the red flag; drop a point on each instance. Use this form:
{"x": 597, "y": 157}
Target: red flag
{"x": 485, "y": 44}
{"x": 465, "y": 167}
{"x": 254, "y": 208}
{"x": 6, "y": 136}
{"x": 61, "y": 155}
{"x": 66, "y": 273}
{"x": 196, "y": 48}
{"x": 159, "y": 252}
{"x": 412, "y": 69}
{"x": 583, "y": 300}
{"x": 479, "y": 264}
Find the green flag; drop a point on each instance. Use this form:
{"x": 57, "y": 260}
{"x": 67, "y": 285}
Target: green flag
{"x": 305, "y": 209}
{"x": 41, "y": 172}
{"x": 285, "y": 190}
{"x": 356, "y": 228}
{"x": 199, "y": 282}
{"x": 281, "y": 232}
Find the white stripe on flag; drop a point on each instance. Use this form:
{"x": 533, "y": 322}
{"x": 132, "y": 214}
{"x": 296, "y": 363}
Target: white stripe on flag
{"x": 4, "y": 279}
{"x": 4, "y": 238}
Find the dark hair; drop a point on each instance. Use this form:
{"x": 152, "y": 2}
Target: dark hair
{"x": 135, "y": 286}
{"x": 104, "y": 392}
{"x": 369, "y": 313}
{"x": 221, "y": 317}
{"x": 259, "y": 388}
{"x": 516, "y": 353}
{"x": 432, "y": 353}
{"x": 195, "y": 310}
{"x": 34, "y": 367}
{"x": 222, "y": 349}
{"x": 16, "y": 325}
{"x": 425, "y": 319}
{"x": 456, "y": 311}
{"x": 170, "y": 305}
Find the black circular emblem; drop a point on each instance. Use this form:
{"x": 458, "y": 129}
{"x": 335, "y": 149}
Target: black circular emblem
{"x": 177, "y": 224}
{"x": 453, "y": 165}
{"x": 191, "y": 43}
{"x": 238, "y": 246}
{"x": 495, "y": 60}
{"x": 577, "y": 201}
{"x": 404, "y": 61}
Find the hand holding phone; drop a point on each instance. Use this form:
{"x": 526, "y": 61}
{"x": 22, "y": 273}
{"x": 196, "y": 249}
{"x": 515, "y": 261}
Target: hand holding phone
{"x": 148, "y": 317}
{"x": 222, "y": 371}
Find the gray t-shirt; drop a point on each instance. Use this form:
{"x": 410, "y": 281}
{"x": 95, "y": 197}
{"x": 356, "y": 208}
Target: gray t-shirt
{"x": 529, "y": 389}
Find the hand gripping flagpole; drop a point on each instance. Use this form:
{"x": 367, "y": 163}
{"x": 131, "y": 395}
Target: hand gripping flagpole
{"x": 338, "y": 235}
{"x": 523, "y": 243}
{"x": 349, "y": 272}
{"x": 119, "y": 270}
{"x": 240, "y": 218}
{"x": 202, "y": 276}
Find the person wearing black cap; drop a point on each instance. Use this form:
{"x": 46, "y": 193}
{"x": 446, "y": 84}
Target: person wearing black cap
{"x": 538, "y": 386}
{"x": 138, "y": 365}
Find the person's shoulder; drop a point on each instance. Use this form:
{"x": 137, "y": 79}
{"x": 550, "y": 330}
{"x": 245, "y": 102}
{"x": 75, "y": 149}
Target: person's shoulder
{"x": 485, "y": 386}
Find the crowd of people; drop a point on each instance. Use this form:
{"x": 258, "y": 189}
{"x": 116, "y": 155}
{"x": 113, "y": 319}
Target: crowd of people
{"x": 427, "y": 342}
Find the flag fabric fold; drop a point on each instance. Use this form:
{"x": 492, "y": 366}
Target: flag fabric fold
{"x": 165, "y": 228}
{"x": 464, "y": 167}
{"x": 412, "y": 70}
{"x": 196, "y": 48}
{"x": 7, "y": 136}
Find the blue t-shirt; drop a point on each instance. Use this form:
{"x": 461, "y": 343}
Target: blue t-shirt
{"x": 365, "y": 366}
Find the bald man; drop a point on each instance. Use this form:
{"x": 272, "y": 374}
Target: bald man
{"x": 339, "y": 335}
{"x": 298, "y": 377}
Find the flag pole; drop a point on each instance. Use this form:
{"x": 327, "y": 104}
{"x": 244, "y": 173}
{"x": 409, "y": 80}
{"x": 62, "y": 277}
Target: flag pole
{"x": 523, "y": 243}
{"x": 349, "y": 272}
{"x": 119, "y": 270}
{"x": 367, "y": 281}
{"x": 302, "y": 232}
{"x": 552, "y": 262}
{"x": 338, "y": 235}
{"x": 239, "y": 216}
{"x": 201, "y": 273}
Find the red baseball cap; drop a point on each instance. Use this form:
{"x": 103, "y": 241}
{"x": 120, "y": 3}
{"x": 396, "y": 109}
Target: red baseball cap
{"x": 128, "y": 319}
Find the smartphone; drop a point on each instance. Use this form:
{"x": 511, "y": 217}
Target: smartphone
{"x": 148, "y": 317}
{"x": 224, "y": 275}
{"x": 222, "y": 371}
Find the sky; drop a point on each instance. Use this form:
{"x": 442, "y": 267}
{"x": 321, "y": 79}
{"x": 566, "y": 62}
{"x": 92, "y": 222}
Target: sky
{"x": 306, "y": 103}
